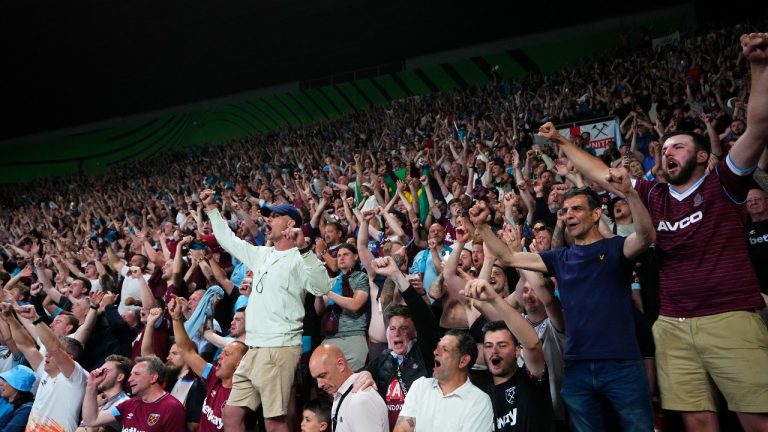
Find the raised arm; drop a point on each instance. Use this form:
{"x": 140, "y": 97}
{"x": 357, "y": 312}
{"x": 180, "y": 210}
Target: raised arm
{"x": 750, "y": 145}
{"x": 55, "y": 349}
{"x": 551, "y": 303}
{"x": 478, "y": 216}
{"x": 48, "y": 287}
{"x": 186, "y": 347}
{"x": 220, "y": 276}
{"x": 645, "y": 234}
{"x": 237, "y": 247}
{"x": 589, "y": 165}
{"x": 366, "y": 257}
{"x": 83, "y": 333}
{"x": 92, "y": 417}
{"x": 23, "y": 340}
{"x": 114, "y": 260}
{"x": 533, "y": 354}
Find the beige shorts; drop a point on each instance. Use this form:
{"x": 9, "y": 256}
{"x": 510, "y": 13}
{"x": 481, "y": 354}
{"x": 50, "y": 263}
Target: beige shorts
{"x": 727, "y": 350}
{"x": 265, "y": 377}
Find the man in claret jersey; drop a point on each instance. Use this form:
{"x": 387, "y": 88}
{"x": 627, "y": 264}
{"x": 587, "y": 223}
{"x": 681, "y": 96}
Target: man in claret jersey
{"x": 151, "y": 409}
{"x": 707, "y": 293}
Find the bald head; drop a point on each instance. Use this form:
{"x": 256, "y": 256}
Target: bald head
{"x": 329, "y": 367}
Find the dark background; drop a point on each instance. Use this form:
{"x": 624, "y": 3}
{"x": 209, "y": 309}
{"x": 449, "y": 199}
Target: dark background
{"x": 72, "y": 63}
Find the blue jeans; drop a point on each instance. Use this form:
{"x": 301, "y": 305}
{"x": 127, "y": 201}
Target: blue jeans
{"x": 622, "y": 382}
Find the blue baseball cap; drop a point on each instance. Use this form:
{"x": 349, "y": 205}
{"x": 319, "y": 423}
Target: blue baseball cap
{"x": 284, "y": 210}
{"x": 19, "y": 377}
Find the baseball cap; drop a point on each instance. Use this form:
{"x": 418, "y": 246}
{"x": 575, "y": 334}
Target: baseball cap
{"x": 19, "y": 377}
{"x": 284, "y": 210}
{"x": 197, "y": 245}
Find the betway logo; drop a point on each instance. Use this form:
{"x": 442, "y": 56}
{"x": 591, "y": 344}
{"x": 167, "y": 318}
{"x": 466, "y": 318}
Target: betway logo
{"x": 215, "y": 421}
{"x": 682, "y": 223}
{"x": 132, "y": 429}
{"x": 510, "y": 418}
{"x": 756, "y": 240}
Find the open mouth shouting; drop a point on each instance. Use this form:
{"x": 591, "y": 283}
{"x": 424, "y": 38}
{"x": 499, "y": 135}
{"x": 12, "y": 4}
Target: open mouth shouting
{"x": 495, "y": 361}
{"x": 398, "y": 345}
{"x": 672, "y": 166}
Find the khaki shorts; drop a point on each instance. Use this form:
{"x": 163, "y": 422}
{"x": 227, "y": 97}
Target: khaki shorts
{"x": 265, "y": 377}
{"x": 728, "y": 350}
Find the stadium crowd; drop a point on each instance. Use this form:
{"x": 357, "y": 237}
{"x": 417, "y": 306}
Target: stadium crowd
{"x": 445, "y": 262}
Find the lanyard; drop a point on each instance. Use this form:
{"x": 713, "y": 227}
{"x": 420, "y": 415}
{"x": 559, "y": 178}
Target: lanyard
{"x": 338, "y": 407}
{"x": 400, "y": 380}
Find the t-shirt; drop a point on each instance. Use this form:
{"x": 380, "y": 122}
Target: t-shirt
{"x": 353, "y": 322}
{"x": 131, "y": 288}
{"x": 698, "y": 240}
{"x": 757, "y": 236}
{"x": 163, "y": 415}
{"x": 594, "y": 282}
{"x": 422, "y": 263}
{"x": 522, "y": 404}
{"x": 552, "y": 345}
{"x": 214, "y": 402}
{"x": 394, "y": 398}
{"x": 58, "y": 400}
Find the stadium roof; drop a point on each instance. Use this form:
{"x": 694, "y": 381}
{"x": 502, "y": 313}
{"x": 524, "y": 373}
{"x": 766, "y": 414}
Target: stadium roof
{"x": 68, "y": 64}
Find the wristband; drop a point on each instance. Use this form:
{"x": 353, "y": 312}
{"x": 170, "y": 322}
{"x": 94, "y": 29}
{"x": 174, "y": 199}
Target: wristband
{"x": 305, "y": 250}
{"x": 37, "y": 321}
{"x": 95, "y": 307}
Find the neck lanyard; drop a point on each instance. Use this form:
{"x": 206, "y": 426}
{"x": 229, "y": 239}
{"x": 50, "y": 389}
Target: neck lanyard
{"x": 338, "y": 407}
{"x": 400, "y": 376}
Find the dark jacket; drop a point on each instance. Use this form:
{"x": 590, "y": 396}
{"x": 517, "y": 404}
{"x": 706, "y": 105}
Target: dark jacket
{"x": 17, "y": 421}
{"x": 418, "y": 362}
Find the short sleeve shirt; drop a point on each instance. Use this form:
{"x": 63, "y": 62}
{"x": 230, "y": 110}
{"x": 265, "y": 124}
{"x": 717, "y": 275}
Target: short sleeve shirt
{"x": 163, "y": 415}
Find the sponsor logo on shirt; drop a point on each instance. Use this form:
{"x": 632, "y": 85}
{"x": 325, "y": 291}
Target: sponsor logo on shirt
{"x": 682, "y": 223}
{"x": 510, "y": 418}
{"x": 213, "y": 419}
{"x": 756, "y": 240}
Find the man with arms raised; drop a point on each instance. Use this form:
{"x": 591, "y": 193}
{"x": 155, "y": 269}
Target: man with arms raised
{"x": 594, "y": 275}
{"x": 520, "y": 396}
{"x": 218, "y": 378}
{"x": 707, "y": 293}
{"x": 282, "y": 274}
{"x": 412, "y": 334}
{"x": 58, "y": 371}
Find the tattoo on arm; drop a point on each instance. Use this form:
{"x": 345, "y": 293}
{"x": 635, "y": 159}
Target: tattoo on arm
{"x": 558, "y": 238}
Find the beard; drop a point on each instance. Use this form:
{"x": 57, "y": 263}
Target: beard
{"x": 684, "y": 174}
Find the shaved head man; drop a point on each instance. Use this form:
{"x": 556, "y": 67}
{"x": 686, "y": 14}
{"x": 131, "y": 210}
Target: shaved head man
{"x": 364, "y": 410}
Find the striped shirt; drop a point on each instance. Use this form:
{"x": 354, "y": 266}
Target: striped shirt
{"x": 704, "y": 263}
